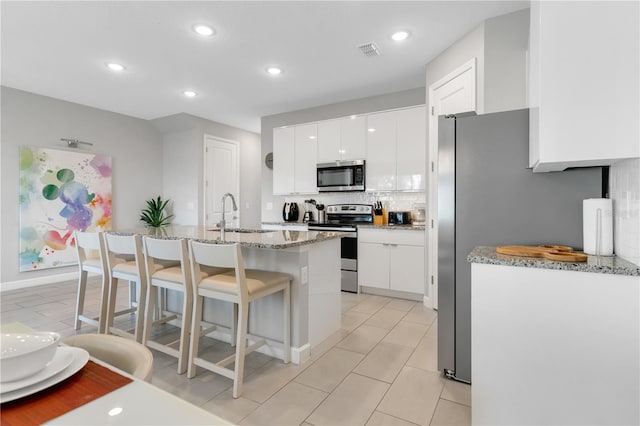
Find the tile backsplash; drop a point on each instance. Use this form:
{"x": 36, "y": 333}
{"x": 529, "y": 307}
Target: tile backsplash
{"x": 391, "y": 200}
{"x": 624, "y": 186}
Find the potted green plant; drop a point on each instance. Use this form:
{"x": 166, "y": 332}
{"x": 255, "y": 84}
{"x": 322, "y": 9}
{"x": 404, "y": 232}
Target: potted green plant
{"x": 154, "y": 214}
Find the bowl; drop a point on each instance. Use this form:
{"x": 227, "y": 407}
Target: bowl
{"x": 24, "y": 354}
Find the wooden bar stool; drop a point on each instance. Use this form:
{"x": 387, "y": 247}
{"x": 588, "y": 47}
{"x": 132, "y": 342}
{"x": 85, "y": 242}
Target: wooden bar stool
{"x": 240, "y": 287}
{"x": 125, "y": 261}
{"x": 177, "y": 278}
{"x": 91, "y": 258}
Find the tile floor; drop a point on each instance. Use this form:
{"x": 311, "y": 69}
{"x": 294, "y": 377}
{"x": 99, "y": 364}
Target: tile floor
{"x": 378, "y": 369}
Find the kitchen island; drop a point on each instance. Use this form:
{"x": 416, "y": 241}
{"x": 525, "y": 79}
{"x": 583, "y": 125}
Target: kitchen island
{"x": 554, "y": 343}
{"x": 311, "y": 258}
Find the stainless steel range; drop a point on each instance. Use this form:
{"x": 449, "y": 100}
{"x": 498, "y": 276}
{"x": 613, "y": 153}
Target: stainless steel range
{"x": 345, "y": 218}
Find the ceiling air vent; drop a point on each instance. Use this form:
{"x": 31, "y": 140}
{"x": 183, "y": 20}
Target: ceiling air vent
{"x": 370, "y": 49}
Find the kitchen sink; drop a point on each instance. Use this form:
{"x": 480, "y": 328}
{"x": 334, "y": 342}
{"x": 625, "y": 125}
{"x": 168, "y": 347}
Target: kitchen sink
{"x": 241, "y": 230}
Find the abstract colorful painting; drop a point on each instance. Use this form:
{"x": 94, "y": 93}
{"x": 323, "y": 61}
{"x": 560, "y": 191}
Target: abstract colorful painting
{"x": 60, "y": 192}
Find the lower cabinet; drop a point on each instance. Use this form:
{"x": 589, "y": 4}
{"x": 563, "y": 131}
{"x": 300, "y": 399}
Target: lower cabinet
{"x": 391, "y": 259}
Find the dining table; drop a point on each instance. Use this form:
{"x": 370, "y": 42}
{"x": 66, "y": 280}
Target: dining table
{"x": 98, "y": 394}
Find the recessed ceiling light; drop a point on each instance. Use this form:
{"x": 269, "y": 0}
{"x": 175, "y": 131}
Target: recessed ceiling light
{"x": 400, "y": 35}
{"x": 353, "y": 117}
{"x": 190, "y": 93}
{"x": 274, "y": 70}
{"x": 203, "y": 30}
{"x": 114, "y": 67}
{"x": 312, "y": 137}
{"x": 371, "y": 130}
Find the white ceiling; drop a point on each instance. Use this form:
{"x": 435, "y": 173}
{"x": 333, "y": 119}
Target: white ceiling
{"x": 58, "y": 49}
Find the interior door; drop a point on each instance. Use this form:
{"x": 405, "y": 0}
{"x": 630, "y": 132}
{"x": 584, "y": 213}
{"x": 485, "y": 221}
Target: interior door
{"x": 455, "y": 93}
{"x": 221, "y": 173}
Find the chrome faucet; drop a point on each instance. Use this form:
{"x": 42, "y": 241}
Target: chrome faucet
{"x": 235, "y": 209}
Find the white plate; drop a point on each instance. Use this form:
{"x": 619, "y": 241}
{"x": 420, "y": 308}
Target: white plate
{"x": 80, "y": 358}
{"x": 60, "y": 361}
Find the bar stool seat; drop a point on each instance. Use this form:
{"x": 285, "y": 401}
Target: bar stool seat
{"x": 257, "y": 281}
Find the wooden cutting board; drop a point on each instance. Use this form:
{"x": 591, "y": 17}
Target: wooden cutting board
{"x": 551, "y": 252}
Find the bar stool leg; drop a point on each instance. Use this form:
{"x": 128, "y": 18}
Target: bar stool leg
{"x": 286, "y": 344}
{"x": 195, "y": 336}
{"x": 241, "y": 346}
{"x": 185, "y": 332}
{"x": 82, "y": 288}
{"x": 104, "y": 304}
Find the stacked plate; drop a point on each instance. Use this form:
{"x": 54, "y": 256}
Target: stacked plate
{"x": 31, "y": 362}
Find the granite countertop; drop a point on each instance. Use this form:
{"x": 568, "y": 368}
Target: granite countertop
{"x": 282, "y": 223}
{"x": 596, "y": 264}
{"x": 255, "y": 238}
{"x": 394, "y": 227}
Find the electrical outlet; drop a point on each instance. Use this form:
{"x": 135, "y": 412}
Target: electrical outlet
{"x": 304, "y": 275}
{"x": 269, "y": 206}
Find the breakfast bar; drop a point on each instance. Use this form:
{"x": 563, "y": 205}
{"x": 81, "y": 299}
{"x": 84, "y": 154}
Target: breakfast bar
{"x": 311, "y": 258}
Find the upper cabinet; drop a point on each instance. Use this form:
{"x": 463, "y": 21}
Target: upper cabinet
{"x": 343, "y": 139}
{"x": 392, "y": 143}
{"x": 306, "y": 147}
{"x": 396, "y": 142}
{"x": 294, "y": 160}
{"x": 283, "y": 160}
{"x": 584, "y": 85}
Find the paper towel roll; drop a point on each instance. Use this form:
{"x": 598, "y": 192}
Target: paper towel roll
{"x": 597, "y": 226}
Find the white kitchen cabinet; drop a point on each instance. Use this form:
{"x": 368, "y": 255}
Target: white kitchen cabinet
{"x": 305, "y": 159}
{"x": 411, "y": 147}
{"x": 283, "y": 160}
{"x": 584, "y": 86}
{"x": 566, "y": 337}
{"x": 342, "y": 139}
{"x": 391, "y": 259}
{"x": 396, "y": 143}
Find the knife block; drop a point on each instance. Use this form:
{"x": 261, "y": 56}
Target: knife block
{"x": 380, "y": 219}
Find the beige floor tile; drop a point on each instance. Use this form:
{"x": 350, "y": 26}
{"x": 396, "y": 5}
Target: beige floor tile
{"x": 433, "y": 329}
{"x": 198, "y": 390}
{"x": 363, "y": 339}
{"x": 233, "y": 410}
{"x": 457, "y": 392}
{"x": 351, "y": 403}
{"x": 425, "y": 355}
{"x": 401, "y": 304}
{"x": 384, "y": 362}
{"x": 370, "y": 305}
{"x": 421, "y": 314}
{"x": 290, "y": 406}
{"x": 451, "y": 414}
{"x": 382, "y": 419}
{"x": 266, "y": 381}
{"x": 328, "y": 371}
{"x": 352, "y": 320}
{"x": 385, "y": 318}
{"x": 413, "y": 396}
{"x": 406, "y": 333}
{"x": 320, "y": 349}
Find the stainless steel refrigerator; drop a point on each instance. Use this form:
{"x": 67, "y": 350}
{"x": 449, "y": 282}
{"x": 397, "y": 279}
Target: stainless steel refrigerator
{"x": 488, "y": 196}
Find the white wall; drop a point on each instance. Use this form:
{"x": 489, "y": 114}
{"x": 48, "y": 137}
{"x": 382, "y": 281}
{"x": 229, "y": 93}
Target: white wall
{"x": 358, "y": 106}
{"x": 31, "y": 119}
{"x": 183, "y": 168}
{"x": 624, "y": 188}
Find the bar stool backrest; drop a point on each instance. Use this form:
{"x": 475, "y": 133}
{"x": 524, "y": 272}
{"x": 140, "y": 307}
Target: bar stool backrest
{"x": 220, "y": 256}
{"x": 123, "y": 245}
{"x": 90, "y": 246}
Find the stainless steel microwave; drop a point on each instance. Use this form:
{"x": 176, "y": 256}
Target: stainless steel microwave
{"x": 338, "y": 176}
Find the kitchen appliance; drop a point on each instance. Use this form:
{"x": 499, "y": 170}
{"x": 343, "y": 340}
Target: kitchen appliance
{"x": 308, "y": 213}
{"x": 322, "y": 214}
{"x": 338, "y": 176}
{"x": 488, "y": 196}
{"x": 419, "y": 214}
{"x": 399, "y": 218}
{"x": 345, "y": 218}
{"x": 290, "y": 212}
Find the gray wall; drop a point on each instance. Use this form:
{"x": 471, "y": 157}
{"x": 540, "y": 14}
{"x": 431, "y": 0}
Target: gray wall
{"x": 30, "y": 119}
{"x": 357, "y": 106}
{"x": 183, "y": 141}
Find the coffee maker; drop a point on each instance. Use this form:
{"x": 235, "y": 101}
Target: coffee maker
{"x": 290, "y": 212}
{"x": 308, "y": 213}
